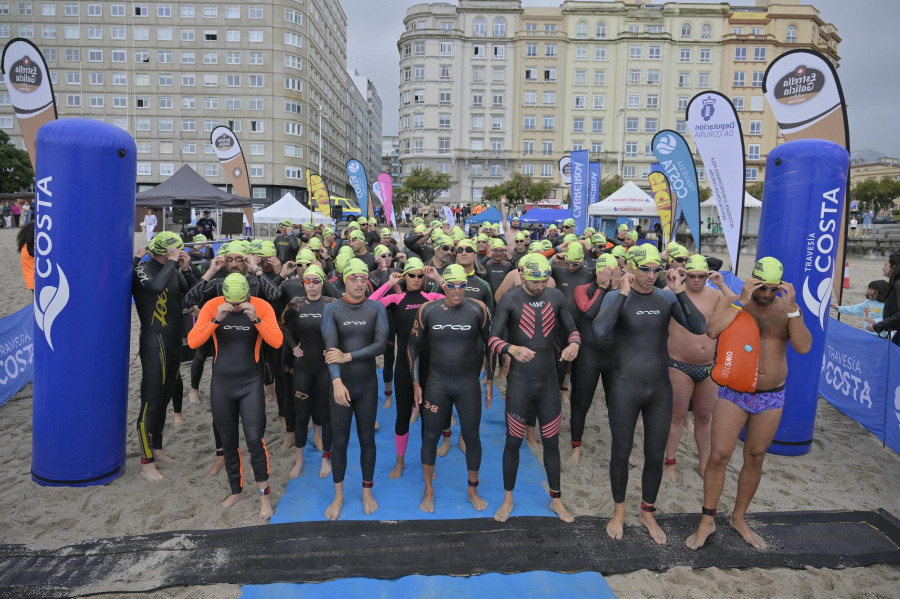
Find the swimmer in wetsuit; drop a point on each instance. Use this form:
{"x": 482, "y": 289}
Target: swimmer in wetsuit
{"x": 639, "y": 318}
{"x": 355, "y": 332}
{"x": 402, "y": 309}
{"x": 456, "y": 331}
{"x": 158, "y": 287}
{"x": 528, "y": 317}
{"x": 287, "y": 244}
{"x": 310, "y": 384}
{"x": 238, "y": 325}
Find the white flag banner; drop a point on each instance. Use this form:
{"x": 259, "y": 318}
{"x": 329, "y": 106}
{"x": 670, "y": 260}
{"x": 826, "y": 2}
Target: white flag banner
{"x": 714, "y": 124}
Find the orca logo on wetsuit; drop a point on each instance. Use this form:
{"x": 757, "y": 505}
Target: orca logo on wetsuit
{"x": 236, "y": 327}
{"x": 309, "y": 316}
{"x": 647, "y": 312}
{"x": 354, "y": 322}
{"x": 452, "y": 327}
{"x": 475, "y": 289}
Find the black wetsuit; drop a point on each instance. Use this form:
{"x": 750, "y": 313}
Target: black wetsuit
{"x": 639, "y": 383}
{"x": 360, "y": 330}
{"x": 158, "y": 291}
{"x": 377, "y": 278}
{"x": 495, "y": 272}
{"x": 286, "y": 247}
{"x": 414, "y": 246}
{"x": 311, "y": 384}
{"x": 456, "y": 338}
{"x": 369, "y": 259}
{"x": 566, "y": 282}
{"x": 516, "y": 256}
{"x": 531, "y": 321}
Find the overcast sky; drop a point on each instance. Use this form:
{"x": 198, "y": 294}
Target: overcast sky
{"x": 869, "y": 51}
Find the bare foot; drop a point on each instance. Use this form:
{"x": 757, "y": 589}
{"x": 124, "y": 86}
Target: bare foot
{"x": 325, "y": 470}
{"x": 669, "y": 473}
{"x": 159, "y": 456}
{"x": 615, "y": 528}
{"x": 575, "y": 456}
{"x": 633, "y": 462}
{"x": 444, "y": 447}
{"x": 369, "y": 503}
{"x": 743, "y": 529}
{"x": 194, "y": 396}
{"x": 270, "y": 394}
{"x": 214, "y": 469}
{"x": 397, "y": 472}
{"x": 461, "y": 444}
{"x": 298, "y": 466}
{"x": 502, "y": 514}
{"x": 698, "y": 539}
{"x": 427, "y": 504}
{"x": 334, "y": 510}
{"x": 317, "y": 437}
{"x": 656, "y": 533}
{"x": 288, "y": 440}
{"x": 265, "y": 508}
{"x": 414, "y": 415}
{"x": 475, "y": 499}
{"x": 231, "y": 500}
{"x": 150, "y": 473}
{"x": 179, "y": 420}
{"x": 557, "y": 506}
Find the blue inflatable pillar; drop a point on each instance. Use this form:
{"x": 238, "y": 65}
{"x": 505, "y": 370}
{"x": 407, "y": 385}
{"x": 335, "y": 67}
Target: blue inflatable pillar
{"x": 84, "y": 242}
{"x": 805, "y": 189}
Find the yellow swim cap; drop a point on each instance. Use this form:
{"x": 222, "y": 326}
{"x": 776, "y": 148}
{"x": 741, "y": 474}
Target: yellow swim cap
{"x": 457, "y": 235}
{"x": 521, "y": 237}
{"x": 570, "y": 237}
{"x": 696, "y": 263}
{"x": 454, "y": 274}
{"x": 305, "y": 256}
{"x": 418, "y": 221}
{"x": 164, "y": 239}
{"x": 589, "y": 231}
{"x": 314, "y": 244}
{"x": 355, "y": 266}
{"x": 482, "y": 237}
{"x": 598, "y": 239}
{"x": 356, "y": 234}
{"x": 569, "y": 222}
{"x": 239, "y": 246}
{"x": 535, "y": 267}
{"x": 199, "y": 237}
{"x": 341, "y": 261}
{"x": 679, "y": 251}
{"x": 768, "y": 270}
{"x": 266, "y": 249}
{"x": 420, "y": 228}
{"x": 644, "y": 254}
{"x": 385, "y": 232}
{"x": 619, "y": 252}
{"x": 223, "y": 250}
{"x": 314, "y": 270}
{"x": 235, "y": 288}
{"x": 670, "y": 246}
{"x": 604, "y": 260}
{"x": 286, "y": 222}
{"x": 346, "y": 250}
{"x": 548, "y": 245}
{"x": 536, "y": 246}
{"x": 413, "y": 264}
{"x": 327, "y": 231}
{"x": 623, "y": 227}
{"x": 633, "y": 235}
{"x": 465, "y": 243}
{"x": 498, "y": 244}
{"x": 381, "y": 249}
{"x": 575, "y": 252}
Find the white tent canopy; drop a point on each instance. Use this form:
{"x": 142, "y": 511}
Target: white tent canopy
{"x": 628, "y": 201}
{"x": 752, "y": 211}
{"x": 289, "y": 207}
{"x": 749, "y": 202}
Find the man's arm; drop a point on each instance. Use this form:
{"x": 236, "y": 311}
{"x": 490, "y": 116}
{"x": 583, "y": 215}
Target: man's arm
{"x": 151, "y": 283}
{"x": 416, "y": 339}
{"x": 330, "y": 336}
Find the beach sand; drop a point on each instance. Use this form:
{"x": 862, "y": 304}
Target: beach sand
{"x": 846, "y": 469}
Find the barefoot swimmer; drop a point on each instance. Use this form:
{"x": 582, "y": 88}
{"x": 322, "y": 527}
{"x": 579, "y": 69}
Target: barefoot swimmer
{"x": 779, "y": 320}
{"x": 238, "y": 325}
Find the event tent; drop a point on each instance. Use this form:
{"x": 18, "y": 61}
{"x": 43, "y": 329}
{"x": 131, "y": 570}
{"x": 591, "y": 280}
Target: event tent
{"x": 629, "y": 200}
{"x": 289, "y": 207}
{"x": 752, "y": 212}
{"x": 490, "y": 214}
{"x": 547, "y": 216}
{"x": 186, "y": 184}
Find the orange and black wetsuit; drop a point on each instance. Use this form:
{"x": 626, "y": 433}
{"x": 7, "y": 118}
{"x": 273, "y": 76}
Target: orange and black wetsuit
{"x": 236, "y": 390}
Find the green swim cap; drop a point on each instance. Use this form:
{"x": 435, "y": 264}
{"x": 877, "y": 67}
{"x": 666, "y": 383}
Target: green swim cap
{"x": 356, "y": 234}
{"x": 362, "y": 220}
{"x": 308, "y": 226}
{"x": 696, "y": 263}
{"x": 467, "y": 243}
{"x": 385, "y": 232}
{"x": 223, "y": 250}
{"x": 372, "y": 220}
{"x": 286, "y": 222}
{"x": 644, "y": 254}
{"x": 164, "y": 239}
{"x": 768, "y": 270}
{"x": 548, "y": 245}
{"x": 239, "y": 246}
{"x": 440, "y": 239}
{"x": 598, "y": 239}
{"x": 266, "y": 249}
{"x": 454, "y": 274}
{"x": 570, "y": 238}
{"x": 536, "y": 246}
{"x": 521, "y": 237}
{"x": 535, "y": 267}
{"x": 633, "y": 235}
{"x": 575, "y": 252}
{"x": 418, "y": 221}
{"x": 458, "y": 236}
{"x": 199, "y": 237}
{"x": 305, "y": 256}
{"x": 341, "y": 261}
{"x": 551, "y": 228}
{"x": 670, "y": 245}
{"x": 604, "y": 260}
{"x": 679, "y": 251}
{"x": 314, "y": 270}
{"x": 413, "y": 264}
{"x": 381, "y": 249}
{"x": 355, "y": 266}
{"x": 436, "y": 224}
{"x": 353, "y": 225}
{"x": 589, "y": 231}
{"x": 482, "y": 237}
{"x": 498, "y": 244}
{"x": 255, "y": 246}
{"x": 623, "y": 227}
{"x": 346, "y": 250}
{"x": 420, "y": 228}
{"x": 619, "y": 252}
{"x": 314, "y": 243}
{"x": 327, "y": 231}
{"x": 569, "y": 222}
{"x": 515, "y": 218}
{"x": 235, "y": 288}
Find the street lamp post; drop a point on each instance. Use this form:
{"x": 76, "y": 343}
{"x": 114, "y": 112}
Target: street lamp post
{"x": 621, "y": 138}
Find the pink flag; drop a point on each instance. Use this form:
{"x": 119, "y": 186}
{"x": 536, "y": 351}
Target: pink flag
{"x": 387, "y": 198}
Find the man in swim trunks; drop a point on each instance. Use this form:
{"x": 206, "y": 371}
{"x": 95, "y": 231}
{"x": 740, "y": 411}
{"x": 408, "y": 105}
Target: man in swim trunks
{"x": 780, "y": 321}
{"x": 691, "y": 357}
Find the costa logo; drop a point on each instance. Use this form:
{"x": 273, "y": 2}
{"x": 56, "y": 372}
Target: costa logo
{"x": 52, "y": 300}
{"x": 452, "y": 327}
{"x": 818, "y": 264}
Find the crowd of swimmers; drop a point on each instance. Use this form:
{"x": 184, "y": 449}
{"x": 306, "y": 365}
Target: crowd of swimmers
{"x": 300, "y": 320}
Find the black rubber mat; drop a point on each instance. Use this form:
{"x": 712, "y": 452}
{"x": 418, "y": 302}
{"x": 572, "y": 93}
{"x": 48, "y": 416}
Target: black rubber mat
{"x": 318, "y": 551}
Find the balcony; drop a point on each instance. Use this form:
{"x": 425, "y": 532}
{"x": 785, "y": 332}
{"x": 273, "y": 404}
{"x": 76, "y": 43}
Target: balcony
{"x": 485, "y": 154}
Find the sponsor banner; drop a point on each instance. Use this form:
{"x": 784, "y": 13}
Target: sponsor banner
{"x": 448, "y": 216}
{"x": 360, "y": 184}
{"x": 714, "y": 123}
{"x": 386, "y": 188}
{"x": 892, "y": 403}
{"x": 854, "y": 375}
{"x": 565, "y": 169}
{"x": 16, "y": 352}
{"x": 30, "y": 90}
{"x": 228, "y": 150}
{"x": 594, "y": 183}
{"x": 805, "y": 192}
{"x": 662, "y": 196}
{"x": 319, "y": 199}
{"x": 580, "y": 176}
{"x": 677, "y": 163}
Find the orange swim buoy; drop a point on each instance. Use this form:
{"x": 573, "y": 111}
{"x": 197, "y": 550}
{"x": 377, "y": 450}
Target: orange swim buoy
{"x": 737, "y": 355}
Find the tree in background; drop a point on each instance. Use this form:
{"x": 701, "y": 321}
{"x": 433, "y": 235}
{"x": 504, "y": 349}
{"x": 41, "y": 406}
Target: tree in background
{"x": 519, "y": 189}
{"x": 875, "y": 195}
{"x": 756, "y": 190}
{"x": 16, "y": 173}
{"x": 704, "y": 193}
{"x": 423, "y": 186}
{"x": 610, "y": 185}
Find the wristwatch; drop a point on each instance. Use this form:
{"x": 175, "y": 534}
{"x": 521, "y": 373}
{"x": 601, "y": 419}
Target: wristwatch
{"x": 794, "y": 314}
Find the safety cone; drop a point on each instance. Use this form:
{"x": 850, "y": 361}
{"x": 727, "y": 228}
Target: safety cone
{"x": 846, "y": 284}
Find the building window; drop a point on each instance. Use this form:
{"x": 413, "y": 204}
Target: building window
{"x": 528, "y": 147}
{"x": 528, "y": 169}
{"x": 547, "y": 148}
{"x": 635, "y": 52}
{"x": 550, "y": 74}
{"x": 652, "y": 101}
{"x": 596, "y": 147}
{"x": 478, "y": 51}
{"x": 477, "y": 100}
{"x": 578, "y": 125}
{"x": 446, "y": 48}
{"x": 740, "y": 79}
{"x": 477, "y": 122}
{"x": 706, "y": 31}
{"x": 500, "y": 52}
{"x": 497, "y": 100}
{"x": 755, "y": 128}
{"x": 758, "y": 78}
{"x": 634, "y": 77}
{"x": 443, "y": 121}
{"x": 629, "y": 172}
{"x": 651, "y": 125}
{"x": 579, "y": 102}
{"x": 790, "y": 38}
{"x": 703, "y": 80}
{"x": 599, "y": 78}
{"x": 550, "y": 50}
{"x": 479, "y": 28}
{"x": 759, "y": 54}
{"x": 599, "y": 52}
{"x": 753, "y": 152}
{"x": 684, "y": 79}
{"x": 143, "y": 168}
{"x": 548, "y": 122}
{"x": 633, "y": 101}
{"x": 740, "y": 53}
{"x": 445, "y": 73}
{"x": 443, "y": 145}
{"x": 531, "y": 50}
{"x": 686, "y": 31}
{"x": 549, "y": 98}
{"x": 445, "y": 97}
{"x": 705, "y": 55}
{"x": 596, "y": 125}
{"x": 631, "y": 124}
{"x": 499, "y": 27}
{"x": 738, "y": 102}
{"x": 256, "y": 171}
{"x": 751, "y": 173}
{"x": 529, "y": 122}
{"x": 546, "y": 170}
{"x": 600, "y": 30}
{"x": 598, "y": 101}
{"x": 580, "y": 52}
{"x": 654, "y": 52}
{"x": 476, "y": 169}
{"x": 681, "y": 127}
{"x": 496, "y": 123}
{"x": 685, "y": 55}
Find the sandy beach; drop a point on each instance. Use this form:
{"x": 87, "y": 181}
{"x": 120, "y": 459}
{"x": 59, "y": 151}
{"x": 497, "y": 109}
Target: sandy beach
{"x": 846, "y": 469}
